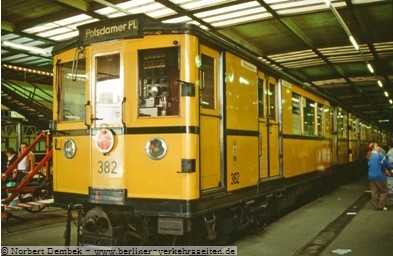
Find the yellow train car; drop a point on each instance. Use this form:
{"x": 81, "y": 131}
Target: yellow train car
{"x": 168, "y": 130}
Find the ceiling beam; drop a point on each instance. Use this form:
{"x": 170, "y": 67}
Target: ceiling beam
{"x": 76, "y": 4}
{"x": 7, "y": 26}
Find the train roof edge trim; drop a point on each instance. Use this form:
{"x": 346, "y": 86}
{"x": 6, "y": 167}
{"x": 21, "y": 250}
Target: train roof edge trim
{"x": 139, "y": 25}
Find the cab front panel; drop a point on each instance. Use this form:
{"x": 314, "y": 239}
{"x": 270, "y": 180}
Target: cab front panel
{"x": 120, "y": 100}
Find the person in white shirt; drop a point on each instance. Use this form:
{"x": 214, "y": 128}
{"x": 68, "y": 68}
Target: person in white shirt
{"x": 25, "y": 165}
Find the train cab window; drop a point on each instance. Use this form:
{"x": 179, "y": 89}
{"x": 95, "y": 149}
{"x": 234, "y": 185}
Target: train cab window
{"x": 309, "y": 117}
{"x": 272, "y": 102}
{"x": 320, "y": 120}
{"x": 71, "y": 91}
{"x": 109, "y": 90}
{"x": 158, "y": 82}
{"x": 296, "y": 117}
{"x": 261, "y": 99}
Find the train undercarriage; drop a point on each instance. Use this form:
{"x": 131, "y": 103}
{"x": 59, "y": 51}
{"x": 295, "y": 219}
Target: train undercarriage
{"x": 108, "y": 225}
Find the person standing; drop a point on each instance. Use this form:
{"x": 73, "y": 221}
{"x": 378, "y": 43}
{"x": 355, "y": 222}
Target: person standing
{"x": 10, "y": 157}
{"x": 390, "y": 153}
{"x": 25, "y": 165}
{"x": 378, "y": 180}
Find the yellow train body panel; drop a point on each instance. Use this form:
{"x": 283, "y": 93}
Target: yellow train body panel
{"x": 304, "y": 153}
{"x": 241, "y": 94}
{"x": 242, "y": 167}
{"x": 148, "y": 178}
{"x": 305, "y": 156}
{"x": 210, "y": 177}
{"x": 72, "y": 175}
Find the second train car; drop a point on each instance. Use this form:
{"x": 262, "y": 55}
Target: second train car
{"x": 166, "y": 130}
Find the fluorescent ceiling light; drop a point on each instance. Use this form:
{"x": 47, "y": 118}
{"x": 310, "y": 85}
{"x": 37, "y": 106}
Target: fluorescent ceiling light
{"x": 192, "y": 5}
{"x": 354, "y": 43}
{"x": 230, "y": 16}
{"x": 379, "y": 83}
{"x": 26, "y": 48}
{"x": 161, "y": 13}
{"x": 370, "y": 68}
{"x": 386, "y": 94}
{"x": 229, "y": 9}
{"x": 73, "y": 20}
{"x": 54, "y": 32}
{"x": 178, "y": 20}
{"x": 62, "y": 37}
{"x": 132, "y": 4}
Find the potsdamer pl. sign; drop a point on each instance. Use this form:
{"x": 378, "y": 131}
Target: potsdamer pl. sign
{"x": 110, "y": 29}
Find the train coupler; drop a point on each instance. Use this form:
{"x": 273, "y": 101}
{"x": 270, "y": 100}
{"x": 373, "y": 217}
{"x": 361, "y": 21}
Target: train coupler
{"x": 211, "y": 227}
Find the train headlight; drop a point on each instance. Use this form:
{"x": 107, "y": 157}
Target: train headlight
{"x": 156, "y": 148}
{"x": 69, "y": 148}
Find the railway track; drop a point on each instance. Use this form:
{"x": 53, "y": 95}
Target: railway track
{"x": 23, "y": 220}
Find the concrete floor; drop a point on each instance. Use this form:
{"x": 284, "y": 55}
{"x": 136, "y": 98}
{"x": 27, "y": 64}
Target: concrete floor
{"x": 370, "y": 232}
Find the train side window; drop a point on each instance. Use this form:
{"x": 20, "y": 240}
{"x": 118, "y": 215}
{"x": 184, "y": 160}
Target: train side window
{"x": 320, "y": 122}
{"x": 342, "y": 124}
{"x": 71, "y": 92}
{"x": 208, "y": 82}
{"x": 272, "y": 101}
{"x": 158, "y": 82}
{"x": 261, "y": 99}
{"x": 296, "y": 116}
{"x": 309, "y": 117}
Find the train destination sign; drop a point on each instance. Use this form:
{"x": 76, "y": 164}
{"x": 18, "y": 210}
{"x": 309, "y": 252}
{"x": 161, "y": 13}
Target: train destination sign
{"x": 125, "y": 27}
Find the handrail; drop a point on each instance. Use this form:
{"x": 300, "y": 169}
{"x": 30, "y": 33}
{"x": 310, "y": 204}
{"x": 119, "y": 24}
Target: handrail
{"x": 7, "y": 173}
{"x": 28, "y": 177}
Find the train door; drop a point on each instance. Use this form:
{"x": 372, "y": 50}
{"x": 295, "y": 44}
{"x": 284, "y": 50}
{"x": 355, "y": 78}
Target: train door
{"x": 212, "y": 176}
{"x": 269, "y": 127}
{"x": 107, "y": 105}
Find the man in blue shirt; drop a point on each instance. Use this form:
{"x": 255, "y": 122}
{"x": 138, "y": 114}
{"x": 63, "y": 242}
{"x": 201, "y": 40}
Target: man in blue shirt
{"x": 378, "y": 180}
